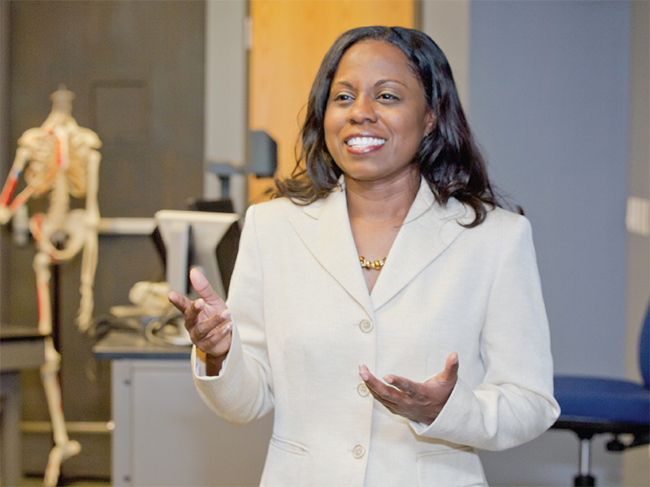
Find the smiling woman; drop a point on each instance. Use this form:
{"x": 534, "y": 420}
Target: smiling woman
{"x": 448, "y": 158}
{"x": 376, "y": 115}
{"x": 385, "y": 250}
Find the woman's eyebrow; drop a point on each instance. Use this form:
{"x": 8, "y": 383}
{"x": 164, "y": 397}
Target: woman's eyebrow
{"x": 344, "y": 83}
{"x": 388, "y": 80}
{"x": 378, "y": 83}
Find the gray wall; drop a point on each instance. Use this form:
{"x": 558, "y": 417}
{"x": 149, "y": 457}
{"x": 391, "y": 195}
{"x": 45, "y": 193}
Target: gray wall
{"x": 549, "y": 104}
{"x": 226, "y": 95}
{"x": 636, "y": 463}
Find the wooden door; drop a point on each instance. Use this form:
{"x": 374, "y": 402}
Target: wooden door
{"x": 137, "y": 69}
{"x": 290, "y": 38}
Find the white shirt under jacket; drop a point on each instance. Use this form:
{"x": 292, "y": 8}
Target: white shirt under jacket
{"x": 304, "y": 321}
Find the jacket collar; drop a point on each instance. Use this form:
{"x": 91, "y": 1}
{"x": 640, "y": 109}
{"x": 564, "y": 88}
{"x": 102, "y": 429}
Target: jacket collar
{"x": 427, "y": 231}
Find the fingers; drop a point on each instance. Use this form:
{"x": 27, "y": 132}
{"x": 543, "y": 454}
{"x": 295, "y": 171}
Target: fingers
{"x": 421, "y": 402}
{"x": 400, "y": 385}
{"x": 207, "y": 320}
{"x": 211, "y": 326}
{"x": 181, "y": 303}
{"x": 190, "y": 309}
{"x": 202, "y": 286}
{"x": 192, "y": 314}
{"x": 450, "y": 374}
{"x": 408, "y": 387}
{"x": 213, "y": 335}
{"x": 387, "y": 395}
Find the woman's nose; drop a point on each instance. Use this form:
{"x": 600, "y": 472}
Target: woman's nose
{"x": 362, "y": 111}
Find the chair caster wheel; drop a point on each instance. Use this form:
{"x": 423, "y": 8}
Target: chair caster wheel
{"x": 616, "y": 445}
{"x": 584, "y": 481}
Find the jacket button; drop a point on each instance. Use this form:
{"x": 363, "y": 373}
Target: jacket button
{"x": 365, "y": 325}
{"x": 362, "y": 389}
{"x": 358, "y": 451}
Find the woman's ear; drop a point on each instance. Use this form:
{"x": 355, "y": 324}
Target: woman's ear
{"x": 430, "y": 121}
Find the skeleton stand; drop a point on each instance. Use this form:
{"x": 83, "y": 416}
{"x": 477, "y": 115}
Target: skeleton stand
{"x": 61, "y": 160}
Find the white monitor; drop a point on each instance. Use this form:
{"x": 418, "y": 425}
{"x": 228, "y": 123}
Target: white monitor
{"x": 207, "y": 231}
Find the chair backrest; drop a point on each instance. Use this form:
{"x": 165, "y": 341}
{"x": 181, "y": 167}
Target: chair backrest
{"x": 644, "y": 349}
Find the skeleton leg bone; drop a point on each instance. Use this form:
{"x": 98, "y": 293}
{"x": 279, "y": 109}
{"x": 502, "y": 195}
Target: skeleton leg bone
{"x": 42, "y": 263}
{"x": 88, "y": 266}
{"x": 63, "y": 448}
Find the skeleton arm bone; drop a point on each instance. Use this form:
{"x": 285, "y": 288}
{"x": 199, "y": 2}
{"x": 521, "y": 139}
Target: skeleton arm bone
{"x": 7, "y": 210}
{"x": 92, "y": 184}
{"x": 89, "y": 257}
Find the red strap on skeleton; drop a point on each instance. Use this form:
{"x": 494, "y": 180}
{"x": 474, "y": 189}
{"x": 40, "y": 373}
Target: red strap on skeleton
{"x": 10, "y": 187}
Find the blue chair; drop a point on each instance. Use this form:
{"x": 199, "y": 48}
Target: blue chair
{"x": 592, "y": 406}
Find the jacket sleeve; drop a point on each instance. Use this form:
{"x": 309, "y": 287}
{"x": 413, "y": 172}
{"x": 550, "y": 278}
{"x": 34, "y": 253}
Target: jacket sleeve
{"x": 243, "y": 390}
{"x": 515, "y": 402}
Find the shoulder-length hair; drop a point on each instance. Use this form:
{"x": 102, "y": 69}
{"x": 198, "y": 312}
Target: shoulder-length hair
{"x": 448, "y": 158}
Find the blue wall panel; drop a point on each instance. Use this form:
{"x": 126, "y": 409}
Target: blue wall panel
{"x": 549, "y": 104}
{"x": 548, "y": 101}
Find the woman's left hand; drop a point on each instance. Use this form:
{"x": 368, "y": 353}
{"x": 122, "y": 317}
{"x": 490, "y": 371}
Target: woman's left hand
{"x": 420, "y": 402}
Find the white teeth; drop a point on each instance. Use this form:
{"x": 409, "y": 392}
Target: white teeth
{"x": 365, "y": 142}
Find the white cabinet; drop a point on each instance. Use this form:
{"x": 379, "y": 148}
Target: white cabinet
{"x": 166, "y": 436}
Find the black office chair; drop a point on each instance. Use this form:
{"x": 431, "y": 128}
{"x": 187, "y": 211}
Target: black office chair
{"x": 592, "y": 405}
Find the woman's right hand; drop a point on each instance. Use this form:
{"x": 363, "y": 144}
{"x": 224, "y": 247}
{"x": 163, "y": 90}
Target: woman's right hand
{"x": 207, "y": 319}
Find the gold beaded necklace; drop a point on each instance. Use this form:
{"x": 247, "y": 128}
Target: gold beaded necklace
{"x": 366, "y": 264}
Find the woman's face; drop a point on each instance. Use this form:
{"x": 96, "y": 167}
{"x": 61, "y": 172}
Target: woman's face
{"x": 376, "y": 114}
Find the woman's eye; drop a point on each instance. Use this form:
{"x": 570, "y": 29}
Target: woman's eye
{"x": 342, "y": 97}
{"x": 387, "y": 96}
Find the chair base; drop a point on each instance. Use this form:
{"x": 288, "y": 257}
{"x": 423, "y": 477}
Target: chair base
{"x": 585, "y": 428}
{"x": 584, "y": 481}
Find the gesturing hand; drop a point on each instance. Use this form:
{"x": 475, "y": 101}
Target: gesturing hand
{"x": 421, "y": 402}
{"x": 207, "y": 319}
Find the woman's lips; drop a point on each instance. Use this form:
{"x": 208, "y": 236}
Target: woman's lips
{"x": 364, "y": 145}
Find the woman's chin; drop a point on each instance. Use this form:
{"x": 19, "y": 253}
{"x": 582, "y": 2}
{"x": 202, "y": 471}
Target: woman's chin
{"x": 367, "y": 176}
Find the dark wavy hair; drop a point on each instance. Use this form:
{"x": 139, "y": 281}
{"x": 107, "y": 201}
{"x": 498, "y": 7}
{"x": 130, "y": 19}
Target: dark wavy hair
{"x": 448, "y": 158}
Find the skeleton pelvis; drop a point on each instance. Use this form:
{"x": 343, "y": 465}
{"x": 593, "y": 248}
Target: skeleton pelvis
{"x": 62, "y": 239}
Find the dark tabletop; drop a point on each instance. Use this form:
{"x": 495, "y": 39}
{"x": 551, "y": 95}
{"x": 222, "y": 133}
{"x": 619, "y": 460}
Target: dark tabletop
{"x": 10, "y": 332}
{"x": 20, "y": 348}
{"x": 123, "y": 345}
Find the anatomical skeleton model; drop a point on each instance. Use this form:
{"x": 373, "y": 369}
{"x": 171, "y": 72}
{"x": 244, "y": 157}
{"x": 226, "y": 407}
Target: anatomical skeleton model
{"x": 61, "y": 160}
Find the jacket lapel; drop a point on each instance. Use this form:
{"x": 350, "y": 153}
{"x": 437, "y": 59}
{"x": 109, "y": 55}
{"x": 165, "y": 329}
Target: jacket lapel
{"x": 324, "y": 227}
{"x": 426, "y": 232}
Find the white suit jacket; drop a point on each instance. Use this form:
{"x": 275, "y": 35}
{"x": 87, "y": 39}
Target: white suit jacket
{"x": 304, "y": 321}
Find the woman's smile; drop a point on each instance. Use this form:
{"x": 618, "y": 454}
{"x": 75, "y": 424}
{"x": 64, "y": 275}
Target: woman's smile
{"x": 363, "y": 144}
